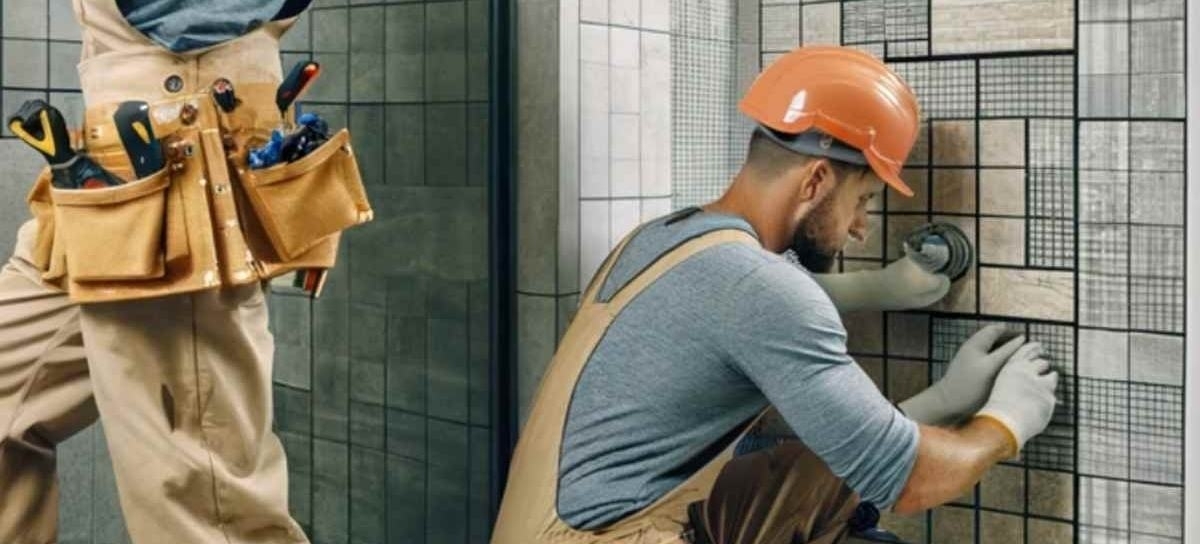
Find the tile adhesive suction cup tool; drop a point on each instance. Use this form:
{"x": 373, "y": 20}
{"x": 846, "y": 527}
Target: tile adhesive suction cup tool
{"x": 42, "y": 127}
{"x": 132, "y": 120}
{"x": 944, "y": 243}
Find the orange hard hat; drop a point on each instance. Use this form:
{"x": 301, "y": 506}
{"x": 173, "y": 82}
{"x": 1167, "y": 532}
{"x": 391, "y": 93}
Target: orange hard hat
{"x": 840, "y": 103}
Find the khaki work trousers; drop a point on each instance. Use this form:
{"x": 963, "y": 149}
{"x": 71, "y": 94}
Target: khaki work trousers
{"x": 183, "y": 387}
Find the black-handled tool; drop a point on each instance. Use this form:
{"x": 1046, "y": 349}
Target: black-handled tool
{"x": 42, "y": 127}
{"x": 296, "y": 82}
{"x": 132, "y": 120}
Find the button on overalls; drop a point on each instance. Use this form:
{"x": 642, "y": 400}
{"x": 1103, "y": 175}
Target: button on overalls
{"x": 781, "y": 495}
{"x": 175, "y": 357}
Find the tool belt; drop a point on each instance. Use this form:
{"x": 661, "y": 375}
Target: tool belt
{"x": 205, "y": 220}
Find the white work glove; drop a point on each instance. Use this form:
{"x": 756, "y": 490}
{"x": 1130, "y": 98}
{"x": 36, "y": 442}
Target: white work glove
{"x": 908, "y": 283}
{"x": 902, "y": 285}
{"x": 965, "y": 387}
{"x": 1023, "y": 398}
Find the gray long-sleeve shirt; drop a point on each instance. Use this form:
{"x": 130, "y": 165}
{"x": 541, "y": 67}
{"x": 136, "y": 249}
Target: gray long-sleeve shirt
{"x": 700, "y": 351}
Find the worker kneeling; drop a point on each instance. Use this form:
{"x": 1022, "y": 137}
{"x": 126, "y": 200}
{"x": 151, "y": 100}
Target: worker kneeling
{"x": 696, "y": 326}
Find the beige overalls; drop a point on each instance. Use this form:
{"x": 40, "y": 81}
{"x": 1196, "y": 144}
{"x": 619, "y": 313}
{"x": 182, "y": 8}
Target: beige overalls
{"x": 145, "y": 300}
{"x": 779, "y": 495}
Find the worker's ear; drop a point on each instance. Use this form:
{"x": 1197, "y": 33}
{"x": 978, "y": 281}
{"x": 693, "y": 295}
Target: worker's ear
{"x": 816, "y": 178}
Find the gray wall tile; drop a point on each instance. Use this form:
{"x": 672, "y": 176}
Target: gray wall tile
{"x": 330, "y": 30}
{"x": 24, "y": 18}
{"x": 445, "y": 144}
{"x": 299, "y": 451}
{"x": 406, "y": 434}
{"x": 368, "y": 495}
{"x": 445, "y": 51}
{"x": 291, "y": 324}
{"x": 446, "y": 507}
{"x": 405, "y": 135}
{"x": 62, "y": 21}
{"x": 405, "y": 52}
{"x": 447, "y": 369}
{"x": 367, "y": 425}
{"x": 406, "y": 499}
{"x": 25, "y": 63}
{"x": 108, "y": 525}
{"x": 75, "y": 465}
{"x": 331, "y": 492}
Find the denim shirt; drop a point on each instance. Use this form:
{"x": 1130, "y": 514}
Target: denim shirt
{"x": 186, "y": 25}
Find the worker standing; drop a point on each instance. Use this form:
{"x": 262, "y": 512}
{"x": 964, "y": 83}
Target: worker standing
{"x": 695, "y": 326}
{"x": 142, "y": 303}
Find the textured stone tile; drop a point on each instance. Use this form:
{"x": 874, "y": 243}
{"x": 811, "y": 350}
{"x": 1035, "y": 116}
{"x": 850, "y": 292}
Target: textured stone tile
{"x": 291, "y": 324}
{"x": 1050, "y": 532}
{"x": 952, "y": 524}
{"x": 1002, "y": 241}
{"x": 953, "y": 143}
{"x": 1156, "y": 358}
{"x": 406, "y": 434}
{"x": 367, "y": 425}
{"x": 864, "y": 332}
{"x": 404, "y": 52}
{"x": 1002, "y": 142}
{"x": 954, "y": 191}
{"x": 1003, "y": 488}
{"x": 536, "y": 328}
{"x": 1001, "y": 25}
{"x": 298, "y": 449}
{"x": 1031, "y": 294}
{"x": 898, "y": 228}
{"x": 1104, "y": 49}
{"x": 331, "y": 492}
{"x": 908, "y": 528}
{"x": 873, "y": 366}
{"x": 822, "y": 24}
{"x": 368, "y": 495}
{"x": 917, "y": 180}
{"x": 1002, "y": 192}
{"x": 24, "y": 19}
{"x": 406, "y": 496}
{"x": 1157, "y": 510}
{"x": 1158, "y": 95}
{"x": 445, "y": 144}
{"x": 1103, "y": 10}
{"x": 1103, "y": 95}
{"x": 293, "y": 410}
{"x": 330, "y": 31}
{"x": 996, "y": 528}
{"x": 908, "y": 335}
{"x": 1051, "y": 494}
{"x": 447, "y": 369}
{"x": 906, "y": 378}
{"x": 445, "y": 51}
{"x": 1103, "y": 354}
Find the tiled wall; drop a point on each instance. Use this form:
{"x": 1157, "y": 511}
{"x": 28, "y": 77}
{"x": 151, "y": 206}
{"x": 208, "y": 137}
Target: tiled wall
{"x": 1054, "y": 138}
{"x": 381, "y": 385}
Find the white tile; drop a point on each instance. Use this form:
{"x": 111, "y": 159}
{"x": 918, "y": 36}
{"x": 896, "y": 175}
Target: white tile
{"x": 624, "y": 90}
{"x": 656, "y": 15}
{"x": 593, "y": 43}
{"x": 624, "y": 12}
{"x": 623, "y": 136}
{"x": 625, "y": 177}
{"x": 593, "y": 237}
{"x": 624, "y": 47}
{"x": 626, "y": 215}
{"x": 1001, "y": 25}
{"x": 822, "y": 24}
{"x": 594, "y": 155}
{"x": 593, "y": 11}
{"x": 1104, "y": 503}
{"x": 1032, "y": 294}
{"x": 1156, "y": 358}
{"x": 1103, "y": 354}
{"x": 1104, "y": 48}
{"x": 594, "y": 81}
{"x": 653, "y": 208}
{"x": 780, "y": 28}
{"x": 656, "y": 177}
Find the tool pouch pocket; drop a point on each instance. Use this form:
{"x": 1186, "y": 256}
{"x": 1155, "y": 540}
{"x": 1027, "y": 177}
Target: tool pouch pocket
{"x": 303, "y": 202}
{"x": 114, "y": 233}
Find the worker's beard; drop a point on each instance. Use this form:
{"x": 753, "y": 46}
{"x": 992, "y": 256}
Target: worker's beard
{"x": 811, "y": 241}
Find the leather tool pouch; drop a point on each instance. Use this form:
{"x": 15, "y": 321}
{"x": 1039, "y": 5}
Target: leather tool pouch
{"x": 301, "y": 203}
{"x": 115, "y": 233}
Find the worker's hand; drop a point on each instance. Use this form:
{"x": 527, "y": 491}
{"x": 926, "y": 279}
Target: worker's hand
{"x": 965, "y": 387}
{"x": 902, "y": 285}
{"x": 1023, "y": 398}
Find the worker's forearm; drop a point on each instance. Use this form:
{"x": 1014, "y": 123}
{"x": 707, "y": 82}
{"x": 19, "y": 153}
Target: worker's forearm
{"x": 950, "y": 461}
